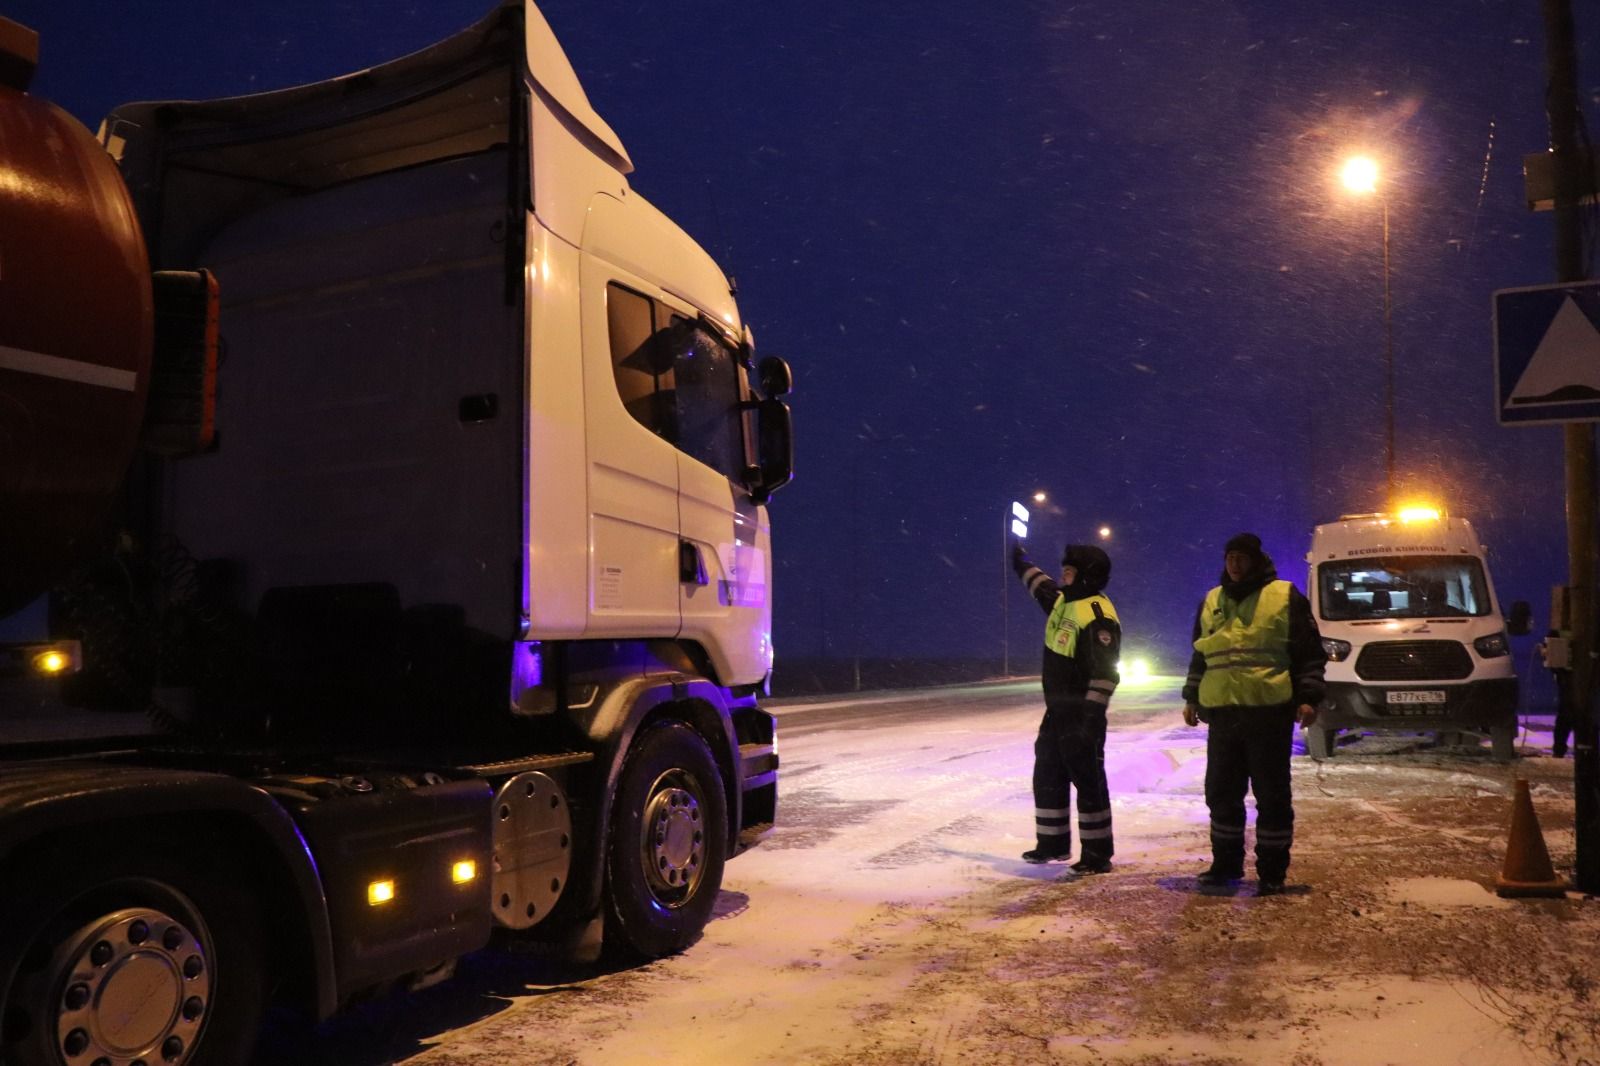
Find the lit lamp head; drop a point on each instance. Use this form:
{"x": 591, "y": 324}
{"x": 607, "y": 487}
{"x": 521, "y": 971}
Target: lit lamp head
{"x": 1360, "y": 174}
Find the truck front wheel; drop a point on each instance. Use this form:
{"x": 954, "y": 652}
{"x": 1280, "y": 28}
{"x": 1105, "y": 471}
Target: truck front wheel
{"x": 132, "y": 962}
{"x": 669, "y": 841}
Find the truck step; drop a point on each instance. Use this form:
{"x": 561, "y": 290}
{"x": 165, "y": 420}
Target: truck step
{"x": 529, "y": 762}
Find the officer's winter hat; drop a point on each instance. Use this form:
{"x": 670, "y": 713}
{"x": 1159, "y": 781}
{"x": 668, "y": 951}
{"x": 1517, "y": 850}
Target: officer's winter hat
{"x": 1094, "y": 566}
{"x": 1248, "y": 543}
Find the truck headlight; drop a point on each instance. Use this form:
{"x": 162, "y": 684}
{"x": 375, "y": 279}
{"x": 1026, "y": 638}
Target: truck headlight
{"x": 1492, "y": 646}
{"x": 1338, "y": 650}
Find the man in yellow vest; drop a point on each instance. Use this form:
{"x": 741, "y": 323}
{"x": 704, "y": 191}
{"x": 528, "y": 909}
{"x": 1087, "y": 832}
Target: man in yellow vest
{"x": 1082, "y": 641}
{"x": 1256, "y": 670}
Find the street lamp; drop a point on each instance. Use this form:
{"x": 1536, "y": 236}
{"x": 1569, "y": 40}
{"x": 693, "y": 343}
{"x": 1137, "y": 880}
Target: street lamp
{"x": 1015, "y": 525}
{"x": 1362, "y": 176}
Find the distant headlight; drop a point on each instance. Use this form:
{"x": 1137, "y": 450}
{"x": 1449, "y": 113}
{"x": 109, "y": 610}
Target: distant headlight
{"x": 1338, "y": 650}
{"x": 1492, "y": 646}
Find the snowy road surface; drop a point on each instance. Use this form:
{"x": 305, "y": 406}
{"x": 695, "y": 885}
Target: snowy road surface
{"x": 889, "y": 920}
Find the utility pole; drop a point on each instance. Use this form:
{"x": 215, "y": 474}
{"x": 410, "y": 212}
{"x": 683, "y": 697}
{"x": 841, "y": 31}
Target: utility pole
{"x": 1389, "y": 502}
{"x": 1571, "y": 168}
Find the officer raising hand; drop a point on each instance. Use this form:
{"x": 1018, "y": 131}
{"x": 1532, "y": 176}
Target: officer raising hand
{"x": 1082, "y": 642}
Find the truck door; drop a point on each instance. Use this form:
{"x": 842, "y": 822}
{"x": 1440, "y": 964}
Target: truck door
{"x": 632, "y": 464}
{"x": 724, "y": 550}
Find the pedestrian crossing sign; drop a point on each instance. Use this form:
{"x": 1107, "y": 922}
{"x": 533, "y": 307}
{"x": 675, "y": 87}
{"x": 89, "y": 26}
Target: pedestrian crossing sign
{"x": 1547, "y": 354}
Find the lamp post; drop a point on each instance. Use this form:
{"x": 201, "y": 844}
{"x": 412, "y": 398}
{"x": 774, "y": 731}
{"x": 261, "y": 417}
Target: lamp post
{"x": 1361, "y": 176}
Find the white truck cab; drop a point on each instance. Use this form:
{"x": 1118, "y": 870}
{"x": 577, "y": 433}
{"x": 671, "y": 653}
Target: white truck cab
{"x": 1413, "y": 630}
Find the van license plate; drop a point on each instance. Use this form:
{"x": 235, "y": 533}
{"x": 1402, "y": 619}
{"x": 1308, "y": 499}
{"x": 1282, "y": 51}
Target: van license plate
{"x": 1417, "y": 695}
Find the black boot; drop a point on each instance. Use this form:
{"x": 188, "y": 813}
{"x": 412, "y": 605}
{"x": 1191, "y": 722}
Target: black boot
{"x": 1093, "y": 859}
{"x": 1219, "y": 875}
{"x": 1042, "y": 853}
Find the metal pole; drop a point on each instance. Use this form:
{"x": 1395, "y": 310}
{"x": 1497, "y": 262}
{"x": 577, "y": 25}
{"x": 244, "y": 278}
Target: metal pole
{"x": 1561, "y": 99}
{"x": 1388, "y": 356}
{"x": 1005, "y": 595}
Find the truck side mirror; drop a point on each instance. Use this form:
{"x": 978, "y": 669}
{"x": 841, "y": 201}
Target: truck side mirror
{"x": 1519, "y": 622}
{"x": 775, "y": 376}
{"x": 775, "y": 446}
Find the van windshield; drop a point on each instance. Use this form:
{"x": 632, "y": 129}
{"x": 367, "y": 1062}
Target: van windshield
{"x": 1402, "y": 586}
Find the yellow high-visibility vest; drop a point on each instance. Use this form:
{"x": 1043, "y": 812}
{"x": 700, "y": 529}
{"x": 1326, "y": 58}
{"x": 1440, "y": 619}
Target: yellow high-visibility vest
{"x": 1246, "y": 647}
{"x": 1069, "y": 618}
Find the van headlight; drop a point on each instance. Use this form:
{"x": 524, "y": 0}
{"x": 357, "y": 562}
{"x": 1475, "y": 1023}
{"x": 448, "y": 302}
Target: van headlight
{"x": 1492, "y": 646}
{"x": 1338, "y": 650}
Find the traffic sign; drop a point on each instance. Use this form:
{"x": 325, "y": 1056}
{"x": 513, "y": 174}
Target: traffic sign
{"x": 1547, "y": 354}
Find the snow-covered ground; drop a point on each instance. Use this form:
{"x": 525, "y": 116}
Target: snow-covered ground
{"x": 890, "y": 920}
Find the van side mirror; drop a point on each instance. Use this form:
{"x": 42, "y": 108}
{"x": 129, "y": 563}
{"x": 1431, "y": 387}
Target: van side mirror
{"x": 775, "y": 448}
{"x": 1519, "y": 621}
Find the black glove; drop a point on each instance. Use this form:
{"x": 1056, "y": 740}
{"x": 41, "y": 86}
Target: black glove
{"x": 1019, "y": 558}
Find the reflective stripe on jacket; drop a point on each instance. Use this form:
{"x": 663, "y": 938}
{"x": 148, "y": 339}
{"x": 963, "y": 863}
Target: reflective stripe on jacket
{"x": 1246, "y": 648}
{"x": 1071, "y": 617}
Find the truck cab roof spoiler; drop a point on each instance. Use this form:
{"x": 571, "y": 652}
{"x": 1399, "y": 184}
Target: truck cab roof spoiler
{"x": 544, "y": 60}
{"x": 19, "y": 54}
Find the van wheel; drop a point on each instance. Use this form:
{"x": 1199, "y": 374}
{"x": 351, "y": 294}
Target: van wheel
{"x": 1503, "y": 742}
{"x": 134, "y": 961}
{"x": 1320, "y": 741}
{"x": 669, "y": 841}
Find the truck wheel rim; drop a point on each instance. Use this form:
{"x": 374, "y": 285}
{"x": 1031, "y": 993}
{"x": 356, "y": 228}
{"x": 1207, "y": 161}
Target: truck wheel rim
{"x": 133, "y": 985}
{"x": 674, "y": 838}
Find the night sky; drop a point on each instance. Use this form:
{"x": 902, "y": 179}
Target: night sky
{"x": 1092, "y": 248}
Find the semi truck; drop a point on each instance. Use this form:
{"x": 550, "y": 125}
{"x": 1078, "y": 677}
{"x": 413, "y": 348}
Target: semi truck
{"x": 385, "y": 562}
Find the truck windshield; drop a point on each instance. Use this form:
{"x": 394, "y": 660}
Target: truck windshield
{"x": 1402, "y": 586}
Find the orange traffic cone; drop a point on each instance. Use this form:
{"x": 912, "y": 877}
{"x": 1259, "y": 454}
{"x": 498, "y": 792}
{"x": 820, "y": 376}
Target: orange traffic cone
{"x": 1527, "y": 870}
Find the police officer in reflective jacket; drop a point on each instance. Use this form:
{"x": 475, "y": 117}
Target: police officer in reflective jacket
{"x": 1256, "y": 669}
{"x": 1082, "y": 640}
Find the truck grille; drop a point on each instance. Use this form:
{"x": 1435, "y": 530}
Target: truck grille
{"x": 1414, "y": 660}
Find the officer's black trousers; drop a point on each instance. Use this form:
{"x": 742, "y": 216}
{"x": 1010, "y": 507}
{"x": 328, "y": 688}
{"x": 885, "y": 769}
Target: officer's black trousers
{"x": 1247, "y": 749}
{"x": 1070, "y": 752}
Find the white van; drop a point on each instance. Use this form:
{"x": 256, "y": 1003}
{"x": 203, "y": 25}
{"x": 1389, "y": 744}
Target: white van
{"x": 1413, "y": 631}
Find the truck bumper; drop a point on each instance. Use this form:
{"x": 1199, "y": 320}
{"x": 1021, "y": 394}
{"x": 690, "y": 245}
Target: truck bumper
{"x": 1476, "y": 705}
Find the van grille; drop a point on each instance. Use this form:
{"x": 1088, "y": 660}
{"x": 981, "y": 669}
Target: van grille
{"x": 1414, "y": 660}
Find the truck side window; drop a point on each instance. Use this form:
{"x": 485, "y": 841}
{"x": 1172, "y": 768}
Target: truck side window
{"x": 710, "y": 427}
{"x": 643, "y": 370}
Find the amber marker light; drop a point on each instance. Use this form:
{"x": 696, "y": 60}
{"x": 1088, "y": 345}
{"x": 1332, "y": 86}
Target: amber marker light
{"x": 463, "y": 871}
{"x": 380, "y": 892}
{"x": 1419, "y": 514}
{"x": 51, "y": 662}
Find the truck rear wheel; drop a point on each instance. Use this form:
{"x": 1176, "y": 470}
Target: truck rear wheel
{"x": 133, "y": 962}
{"x": 668, "y": 844}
